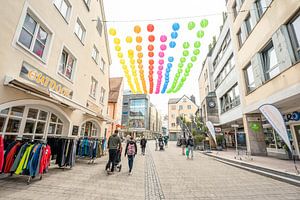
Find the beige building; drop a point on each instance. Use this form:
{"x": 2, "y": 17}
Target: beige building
{"x": 155, "y": 124}
{"x": 185, "y": 107}
{"x": 54, "y": 68}
{"x": 266, "y": 46}
{"x": 115, "y": 101}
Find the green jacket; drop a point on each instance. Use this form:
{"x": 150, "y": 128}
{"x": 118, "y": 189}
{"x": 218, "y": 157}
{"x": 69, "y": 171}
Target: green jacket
{"x": 114, "y": 142}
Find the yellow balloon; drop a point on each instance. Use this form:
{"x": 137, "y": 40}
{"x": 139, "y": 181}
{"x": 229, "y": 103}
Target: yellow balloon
{"x": 130, "y": 52}
{"x": 117, "y": 48}
{"x": 130, "y": 56}
{"x": 137, "y": 29}
{"x": 140, "y": 61}
{"x": 138, "y": 47}
{"x": 134, "y": 74}
{"x": 122, "y": 61}
{"x": 128, "y": 39}
{"x": 112, "y": 31}
{"x": 117, "y": 41}
{"x": 120, "y": 55}
{"x": 132, "y": 66}
{"x": 132, "y": 61}
{"x": 140, "y": 66}
{"x": 141, "y": 71}
{"x": 140, "y": 55}
{"x": 124, "y": 66}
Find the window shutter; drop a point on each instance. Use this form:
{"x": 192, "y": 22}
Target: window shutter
{"x": 283, "y": 48}
{"x": 99, "y": 26}
{"x": 258, "y": 74}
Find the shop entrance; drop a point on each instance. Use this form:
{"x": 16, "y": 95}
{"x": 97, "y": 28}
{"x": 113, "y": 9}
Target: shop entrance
{"x": 297, "y": 134}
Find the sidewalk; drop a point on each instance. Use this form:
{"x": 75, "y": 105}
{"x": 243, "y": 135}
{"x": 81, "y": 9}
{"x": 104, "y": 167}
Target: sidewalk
{"x": 275, "y": 166}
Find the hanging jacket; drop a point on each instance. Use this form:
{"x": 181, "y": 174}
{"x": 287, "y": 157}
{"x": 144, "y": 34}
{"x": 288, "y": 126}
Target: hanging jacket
{"x": 45, "y": 160}
{"x": 34, "y": 161}
{"x": 10, "y": 158}
{"x": 24, "y": 160}
{"x": 1, "y": 153}
{"x": 19, "y": 157}
{"x": 7, "y": 150}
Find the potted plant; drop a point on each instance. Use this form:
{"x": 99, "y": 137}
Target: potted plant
{"x": 220, "y": 139}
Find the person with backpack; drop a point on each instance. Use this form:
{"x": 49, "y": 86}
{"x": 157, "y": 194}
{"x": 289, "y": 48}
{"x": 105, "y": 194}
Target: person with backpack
{"x": 143, "y": 144}
{"x": 114, "y": 144}
{"x": 130, "y": 151}
{"x": 190, "y": 147}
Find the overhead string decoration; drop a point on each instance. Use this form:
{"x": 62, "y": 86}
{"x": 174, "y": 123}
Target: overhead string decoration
{"x": 161, "y": 54}
{"x": 151, "y": 39}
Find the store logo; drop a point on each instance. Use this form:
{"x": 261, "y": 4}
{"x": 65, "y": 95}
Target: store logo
{"x": 255, "y": 127}
{"x": 295, "y": 116}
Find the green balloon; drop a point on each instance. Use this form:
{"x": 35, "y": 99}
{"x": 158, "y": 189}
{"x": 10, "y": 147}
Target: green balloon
{"x": 193, "y": 58}
{"x": 204, "y": 23}
{"x": 186, "y": 45}
{"x": 191, "y": 25}
{"x": 176, "y": 78}
{"x": 197, "y": 44}
{"x": 183, "y": 79}
{"x": 196, "y": 52}
{"x": 187, "y": 70}
{"x": 200, "y": 34}
{"x": 186, "y": 74}
{"x": 177, "y": 75}
{"x": 179, "y": 70}
{"x": 182, "y": 59}
{"x": 190, "y": 65}
{"x": 180, "y": 65}
{"x": 185, "y": 53}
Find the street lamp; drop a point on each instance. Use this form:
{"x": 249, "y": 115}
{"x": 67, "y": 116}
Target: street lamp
{"x": 235, "y": 126}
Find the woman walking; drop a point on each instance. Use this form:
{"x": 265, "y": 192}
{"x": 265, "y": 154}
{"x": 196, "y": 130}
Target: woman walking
{"x": 130, "y": 151}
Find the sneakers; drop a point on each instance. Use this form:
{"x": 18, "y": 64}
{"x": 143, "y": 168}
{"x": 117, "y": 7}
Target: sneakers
{"x": 129, "y": 173}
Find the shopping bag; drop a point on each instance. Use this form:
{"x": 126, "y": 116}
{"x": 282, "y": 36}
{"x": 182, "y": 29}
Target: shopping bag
{"x": 187, "y": 151}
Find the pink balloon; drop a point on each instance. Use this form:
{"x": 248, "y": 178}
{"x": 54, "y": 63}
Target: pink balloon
{"x": 160, "y": 67}
{"x": 163, "y": 47}
{"x": 159, "y": 73}
{"x": 163, "y": 38}
{"x": 161, "y": 54}
{"x": 161, "y": 62}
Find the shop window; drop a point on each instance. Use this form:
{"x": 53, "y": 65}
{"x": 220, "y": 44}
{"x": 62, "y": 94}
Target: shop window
{"x": 80, "y": 31}
{"x": 64, "y": 7}
{"x": 34, "y": 36}
{"x": 270, "y": 62}
{"x": 249, "y": 78}
{"x": 2, "y": 121}
{"x": 294, "y": 31}
{"x": 95, "y": 54}
{"x": 55, "y": 126}
{"x": 67, "y": 65}
{"x": 35, "y": 124}
{"x": 89, "y": 129}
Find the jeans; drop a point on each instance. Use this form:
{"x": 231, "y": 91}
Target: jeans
{"x": 143, "y": 150}
{"x": 183, "y": 149}
{"x": 112, "y": 159}
{"x": 191, "y": 151}
{"x": 130, "y": 162}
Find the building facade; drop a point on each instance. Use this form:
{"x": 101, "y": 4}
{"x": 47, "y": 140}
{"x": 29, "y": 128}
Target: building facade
{"x": 177, "y": 107}
{"x": 54, "y": 69}
{"x": 266, "y": 45}
{"x": 115, "y": 101}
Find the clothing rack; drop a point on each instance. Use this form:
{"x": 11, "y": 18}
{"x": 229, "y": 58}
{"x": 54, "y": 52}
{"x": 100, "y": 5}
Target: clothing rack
{"x": 89, "y": 147}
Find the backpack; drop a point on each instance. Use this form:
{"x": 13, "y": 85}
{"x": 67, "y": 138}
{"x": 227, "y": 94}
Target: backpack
{"x": 131, "y": 149}
{"x": 191, "y": 142}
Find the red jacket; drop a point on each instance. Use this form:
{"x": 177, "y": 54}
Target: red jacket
{"x": 45, "y": 160}
{"x": 10, "y": 158}
{"x": 1, "y": 153}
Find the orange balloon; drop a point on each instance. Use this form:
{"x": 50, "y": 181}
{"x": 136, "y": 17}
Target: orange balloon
{"x": 140, "y": 55}
{"x": 140, "y": 66}
{"x": 139, "y": 61}
{"x": 138, "y": 47}
{"x": 141, "y": 71}
{"x": 150, "y": 54}
{"x": 139, "y": 39}
{"x": 137, "y": 29}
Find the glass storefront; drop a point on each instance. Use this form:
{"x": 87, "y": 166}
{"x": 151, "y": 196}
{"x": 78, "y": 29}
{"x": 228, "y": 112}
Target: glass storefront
{"x": 90, "y": 129}
{"x": 138, "y": 113}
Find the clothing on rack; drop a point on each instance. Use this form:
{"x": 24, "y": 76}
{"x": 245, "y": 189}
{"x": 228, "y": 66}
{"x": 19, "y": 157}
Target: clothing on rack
{"x": 89, "y": 148}
{"x": 1, "y": 153}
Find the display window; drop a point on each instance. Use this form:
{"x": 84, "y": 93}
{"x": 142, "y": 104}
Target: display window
{"x": 89, "y": 129}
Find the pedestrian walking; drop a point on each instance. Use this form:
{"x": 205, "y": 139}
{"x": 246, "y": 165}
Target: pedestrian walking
{"x": 183, "y": 144}
{"x": 156, "y": 143}
{"x": 130, "y": 151}
{"x": 143, "y": 144}
{"x": 190, "y": 147}
{"x": 114, "y": 144}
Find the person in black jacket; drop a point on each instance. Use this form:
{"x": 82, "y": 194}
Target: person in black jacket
{"x": 130, "y": 151}
{"x": 190, "y": 146}
{"x": 143, "y": 144}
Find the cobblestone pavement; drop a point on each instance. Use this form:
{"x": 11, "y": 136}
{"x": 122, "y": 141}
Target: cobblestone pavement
{"x": 158, "y": 175}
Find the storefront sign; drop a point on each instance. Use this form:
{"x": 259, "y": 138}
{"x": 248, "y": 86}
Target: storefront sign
{"x": 218, "y": 129}
{"x": 295, "y": 116}
{"x": 75, "y": 130}
{"x": 41, "y": 79}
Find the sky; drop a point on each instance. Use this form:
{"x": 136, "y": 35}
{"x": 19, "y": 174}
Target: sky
{"x": 124, "y": 15}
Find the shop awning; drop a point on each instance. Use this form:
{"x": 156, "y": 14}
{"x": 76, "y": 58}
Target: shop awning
{"x": 48, "y": 95}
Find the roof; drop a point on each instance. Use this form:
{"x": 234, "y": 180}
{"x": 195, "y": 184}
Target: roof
{"x": 114, "y": 89}
{"x": 173, "y": 100}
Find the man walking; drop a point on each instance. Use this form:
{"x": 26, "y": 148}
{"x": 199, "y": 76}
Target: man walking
{"x": 143, "y": 144}
{"x": 130, "y": 151}
{"x": 183, "y": 144}
{"x": 190, "y": 146}
{"x": 113, "y": 144}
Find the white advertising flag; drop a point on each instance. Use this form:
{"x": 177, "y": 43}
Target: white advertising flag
{"x": 274, "y": 117}
{"x": 211, "y": 129}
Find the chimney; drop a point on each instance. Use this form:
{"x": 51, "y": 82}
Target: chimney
{"x": 193, "y": 99}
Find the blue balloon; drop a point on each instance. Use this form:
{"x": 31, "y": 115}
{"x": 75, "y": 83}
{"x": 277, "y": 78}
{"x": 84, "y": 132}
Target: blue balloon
{"x": 172, "y": 44}
{"x": 171, "y": 59}
{"x": 169, "y": 65}
{"x": 168, "y": 69}
{"x": 174, "y": 35}
{"x": 175, "y": 26}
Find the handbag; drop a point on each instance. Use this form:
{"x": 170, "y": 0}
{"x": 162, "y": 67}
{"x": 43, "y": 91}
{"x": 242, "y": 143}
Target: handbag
{"x": 187, "y": 151}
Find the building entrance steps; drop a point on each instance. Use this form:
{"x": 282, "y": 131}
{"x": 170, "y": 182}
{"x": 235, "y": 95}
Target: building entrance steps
{"x": 283, "y": 170}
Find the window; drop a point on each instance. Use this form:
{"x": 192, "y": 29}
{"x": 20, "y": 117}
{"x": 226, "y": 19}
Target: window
{"x": 34, "y": 36}
{"x": 102, "y": 64}
{"x": 235, "y": 9}
{"x": 173, "y": 125}
{"x": 248, "y": 24}
{"x": 173, "y": 116}
{"x": 87, "y": 3}
{"x": 14, "y": 116}
{"x": 230, "y": 99}
{"x": 93, "y": 88}
{"x": 270, "y": 63}
{"x": 184, "y": 99}
{"x": 173, "y": 107}
{"x": 180, "y": 107}
{"x": 89, "y": 129}
{"x": 189, "y": 107}
{"x": 102, "y": 95}
{"x": 80, "y": 30}
{"x": 63, "y": 7}
{"x": 95, "y": 54}
{"x": 294, "y": 30}
{"x": 240, "y": 38}
{"x": 66, "y": 65}
{"x": 261, "y": 7}
{"x": 55, "y": 126}
{"x": 249, "y": 78}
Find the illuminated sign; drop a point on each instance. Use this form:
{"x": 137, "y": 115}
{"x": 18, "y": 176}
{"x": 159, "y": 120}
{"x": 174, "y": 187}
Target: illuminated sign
{"x": 41, "y": 79}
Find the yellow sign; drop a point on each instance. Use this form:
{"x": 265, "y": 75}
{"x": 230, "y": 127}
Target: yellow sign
{"x": 41, "y": 79}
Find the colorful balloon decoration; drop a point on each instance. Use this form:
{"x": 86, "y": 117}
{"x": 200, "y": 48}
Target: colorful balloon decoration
{"x": 190, "y": 51}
